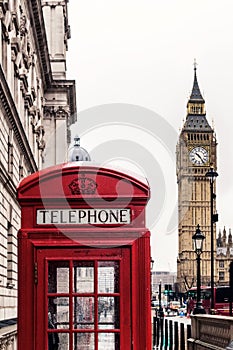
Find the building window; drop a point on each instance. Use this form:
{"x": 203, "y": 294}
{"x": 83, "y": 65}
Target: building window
{"x": 221, "y": 276}
{"x": 11, "y": 253}
{"x": 4, "y": 50}
{"x": 21, "y": 167}
{"x": 221, "y": 263}
{"x": 10, "y": 152}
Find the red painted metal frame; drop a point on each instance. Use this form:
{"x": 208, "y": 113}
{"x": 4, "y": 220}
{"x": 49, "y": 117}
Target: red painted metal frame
{"x": 49, "y": 188}
{"x": 119, "y": 254}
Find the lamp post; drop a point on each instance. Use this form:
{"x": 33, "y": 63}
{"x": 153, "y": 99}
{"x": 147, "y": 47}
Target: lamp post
{"x": 151, "y": 277}
{"x": 211, "y": 174}
{"x": 198, "y": 239}
{"x": 160, "y": 303}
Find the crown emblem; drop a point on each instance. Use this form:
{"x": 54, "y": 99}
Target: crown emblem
{"x": 83, "y": 185}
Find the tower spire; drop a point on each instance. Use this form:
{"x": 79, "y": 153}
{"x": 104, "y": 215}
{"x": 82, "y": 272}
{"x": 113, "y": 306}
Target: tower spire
{"x": 196, "y": 95}
{"x": 196, "y": 115}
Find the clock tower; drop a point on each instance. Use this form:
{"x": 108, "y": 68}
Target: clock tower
{"x": 196, "y": 153}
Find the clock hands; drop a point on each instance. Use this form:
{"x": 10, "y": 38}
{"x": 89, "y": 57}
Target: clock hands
{"x": 199, "y": 156}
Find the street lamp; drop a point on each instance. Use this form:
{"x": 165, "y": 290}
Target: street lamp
{"x": 212, "y": 174}
{"x": 198, "y": 239}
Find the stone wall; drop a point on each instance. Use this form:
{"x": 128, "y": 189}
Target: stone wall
{"x": 210, "y": 332}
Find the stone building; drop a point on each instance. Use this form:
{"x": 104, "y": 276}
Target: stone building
{"x": 224, "y": 256}
{"x": 163, "y": 278}
{"x": 37, "y": 107}
{"x": 196, "y": 153}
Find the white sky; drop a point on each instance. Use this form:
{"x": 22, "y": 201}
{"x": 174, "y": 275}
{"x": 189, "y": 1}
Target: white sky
{"x": 141, "y": 52}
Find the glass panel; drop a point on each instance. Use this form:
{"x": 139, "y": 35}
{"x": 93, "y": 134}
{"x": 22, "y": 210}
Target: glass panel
{"x": 58, "y": 341}
{"x": 108, "y": 341}
{"x": 108, "y": 277}
{"x": 84, "y": 341}
{"x": 108, "y": 313}
{"x": 58, "y": 277}
{"x": 63, "y": 342}
{"x": 53, "y": 341}
{"x": 58, "y": 313}
{"x": 83, "y": 276}
{"x": 83, "y": 308}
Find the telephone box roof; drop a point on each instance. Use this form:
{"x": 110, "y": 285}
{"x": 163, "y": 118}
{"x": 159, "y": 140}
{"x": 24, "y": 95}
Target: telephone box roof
{"x": 82, "y": 179}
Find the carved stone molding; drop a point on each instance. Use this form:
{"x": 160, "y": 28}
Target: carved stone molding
{"x": 28, "y": 101}
{"x": 7, "y": 340}
{"x": 15, "y": 45}
{"x": 61, "y": 113}
{"x": 3, "y": 7}
{"x": 1, "y": 13}
{"x": 22, "y": 26}
{"x": 24, "y": 82}
{"x": 15, "y": 21}
{"x": 58, "y": 113}
{"x": 33, "y": 92}
{"x": 48, "y": 112}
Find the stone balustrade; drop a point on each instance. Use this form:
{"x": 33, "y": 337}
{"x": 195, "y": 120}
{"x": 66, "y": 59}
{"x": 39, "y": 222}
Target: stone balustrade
{"x": 8, "y": 338}
{"x": 211, "y": 332}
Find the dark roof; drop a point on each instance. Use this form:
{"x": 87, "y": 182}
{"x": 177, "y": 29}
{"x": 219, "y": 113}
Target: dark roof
{"x": 197, "y": 123}
{"x": 196, "y": 95}
{"x": 10, "y": 322}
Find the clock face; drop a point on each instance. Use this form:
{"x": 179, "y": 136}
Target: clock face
{"x": 199, "y": 156}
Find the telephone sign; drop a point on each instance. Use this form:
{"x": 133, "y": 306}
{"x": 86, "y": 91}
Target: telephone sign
{"x": 82, "y": 216}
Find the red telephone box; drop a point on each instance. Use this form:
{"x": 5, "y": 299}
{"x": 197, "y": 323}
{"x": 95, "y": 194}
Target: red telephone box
{"x": 84, "y": 260}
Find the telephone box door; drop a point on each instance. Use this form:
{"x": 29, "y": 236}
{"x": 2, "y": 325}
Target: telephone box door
{"x": 83, "y": 299}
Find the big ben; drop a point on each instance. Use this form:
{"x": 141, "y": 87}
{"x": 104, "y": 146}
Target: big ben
{"x": 196, "y": 153}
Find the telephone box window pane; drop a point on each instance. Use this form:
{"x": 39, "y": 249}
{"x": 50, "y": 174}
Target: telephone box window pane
{"x": 59, "y": 341}
{"x": 108, "y": 277}
{"x": 58, "y": 313}
{"x": 83, "y": 308}
{"x": 83, "y": 341}
{"x": 110, "y": 341}
{"x": 54, "y": 341}
{"x": 108, "y": 313}
{"x": 58, "y": 277}
{"x": 83, "y": 276}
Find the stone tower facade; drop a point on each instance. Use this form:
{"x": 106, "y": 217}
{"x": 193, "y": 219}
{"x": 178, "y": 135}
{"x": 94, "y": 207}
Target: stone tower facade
{"x": 196, "y": 152}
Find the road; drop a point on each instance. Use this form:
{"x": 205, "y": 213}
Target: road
{"x": 184, "y": 319}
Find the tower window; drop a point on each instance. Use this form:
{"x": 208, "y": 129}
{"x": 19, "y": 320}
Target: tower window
{"x": 221, "y": 276}
{"x": 221, "y": 263}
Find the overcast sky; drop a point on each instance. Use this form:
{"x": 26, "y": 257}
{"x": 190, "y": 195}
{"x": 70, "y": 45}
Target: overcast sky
{"x": 141, "y": 52}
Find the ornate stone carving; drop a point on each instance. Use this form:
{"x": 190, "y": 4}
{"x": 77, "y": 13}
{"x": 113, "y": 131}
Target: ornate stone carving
{"x": 61, "y": 113}
{"x": 22, "y": 26}
{"x": 15, "y": 22}
{"x": 24, "y": 80}
{"x": 48, "y": 112}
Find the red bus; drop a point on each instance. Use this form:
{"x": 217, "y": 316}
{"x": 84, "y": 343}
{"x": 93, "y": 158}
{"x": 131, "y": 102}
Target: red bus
{"x": 221, "y": 299}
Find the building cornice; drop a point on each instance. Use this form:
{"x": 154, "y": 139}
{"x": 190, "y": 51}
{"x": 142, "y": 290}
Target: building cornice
{"x": 40, "y": 40}
{"x": 69, "y": 86}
